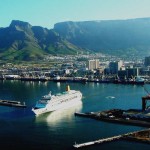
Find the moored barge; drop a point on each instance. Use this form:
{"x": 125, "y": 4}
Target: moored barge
{"x": 12, "y": 103}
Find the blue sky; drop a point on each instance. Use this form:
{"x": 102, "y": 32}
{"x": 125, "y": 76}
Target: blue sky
{"x": 48, "y": 12}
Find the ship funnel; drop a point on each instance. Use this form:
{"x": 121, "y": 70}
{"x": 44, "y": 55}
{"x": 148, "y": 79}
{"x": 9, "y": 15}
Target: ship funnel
{"x": 67, "y": 88}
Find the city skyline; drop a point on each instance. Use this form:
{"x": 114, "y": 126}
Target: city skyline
{"x": 46, "y": 13}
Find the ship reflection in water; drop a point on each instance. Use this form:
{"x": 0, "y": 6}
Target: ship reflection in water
{"x": 59, "y": 116}
{"x": 58, "y": 85}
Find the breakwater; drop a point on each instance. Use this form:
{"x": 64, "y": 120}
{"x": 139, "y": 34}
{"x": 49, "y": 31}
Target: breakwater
{"x": 140, "y": 136}
{"x": 103, "y": 116}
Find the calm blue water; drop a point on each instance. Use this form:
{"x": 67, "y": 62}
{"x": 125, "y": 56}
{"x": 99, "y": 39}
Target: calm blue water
{"x": 19, "y": 128}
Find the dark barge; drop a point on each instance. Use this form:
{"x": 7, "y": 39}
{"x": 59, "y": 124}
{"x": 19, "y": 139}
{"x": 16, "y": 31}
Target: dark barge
{"x": 12, "y": 103}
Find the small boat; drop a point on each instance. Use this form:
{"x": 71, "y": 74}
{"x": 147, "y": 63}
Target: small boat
{"x": 110, "y": 97}
{"x": 49, "y": 102}
{"x": 139, "y": 80}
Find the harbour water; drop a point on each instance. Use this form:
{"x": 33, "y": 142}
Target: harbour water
{"x": 59, "y": 130}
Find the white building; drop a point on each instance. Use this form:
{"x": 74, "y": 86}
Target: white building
{"x": 93, "y": 64}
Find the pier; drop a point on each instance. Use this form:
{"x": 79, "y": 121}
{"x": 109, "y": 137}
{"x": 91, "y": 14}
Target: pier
{"x": 141, "y": 136}
{"x": 112, "y": 119}
{"x": 99, "y": 141}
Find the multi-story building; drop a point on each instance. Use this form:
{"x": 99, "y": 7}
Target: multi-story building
{"x": 115, "y": 66}
{"x": 147, "y": 61}
{"x": 93, "y": 64}
{"x": 128, "y": 73}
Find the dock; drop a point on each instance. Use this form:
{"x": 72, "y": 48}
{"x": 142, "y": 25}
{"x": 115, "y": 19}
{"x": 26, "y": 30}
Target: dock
{"x": 136, "y": 136}
{"x": 115, "y": 119}
{"x": 99, "y": 141}
{"x": 10, "y": 103}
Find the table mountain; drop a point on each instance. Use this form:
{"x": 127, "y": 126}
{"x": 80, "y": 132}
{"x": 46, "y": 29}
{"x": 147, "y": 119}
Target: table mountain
{"x": 22, "y": 41}
{"x": 110, "y": 36}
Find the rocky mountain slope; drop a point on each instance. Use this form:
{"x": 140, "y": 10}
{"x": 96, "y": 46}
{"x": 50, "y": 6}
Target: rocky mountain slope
{"x": 25, "y": 42}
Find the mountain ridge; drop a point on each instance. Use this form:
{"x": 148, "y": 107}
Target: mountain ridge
{"x": 22, "y": 41}
{"x": 26, "y": 42}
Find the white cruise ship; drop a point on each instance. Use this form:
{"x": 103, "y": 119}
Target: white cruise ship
{"x": 49, "y": 103}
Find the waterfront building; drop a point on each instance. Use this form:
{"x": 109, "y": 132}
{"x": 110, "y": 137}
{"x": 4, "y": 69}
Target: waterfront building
{"x": 129, "y": 73}
{"x": 93, "y": 64}
{"x": 100, "y": 70}
{"x": 67, "y": 71}
{"x": 122, "y": 74}
{"x": 145, "y": 71}
{"x": 132, "y": 72}
{"x": 67, "y": 66}
{"x": 115, "y": 66}
{"x": 147, "y": 61}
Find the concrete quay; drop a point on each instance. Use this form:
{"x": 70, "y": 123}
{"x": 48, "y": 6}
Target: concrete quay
{"x": 66, "y": 79}
{"x": 115, "y": 119}
{"x": 138, "y": 136}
